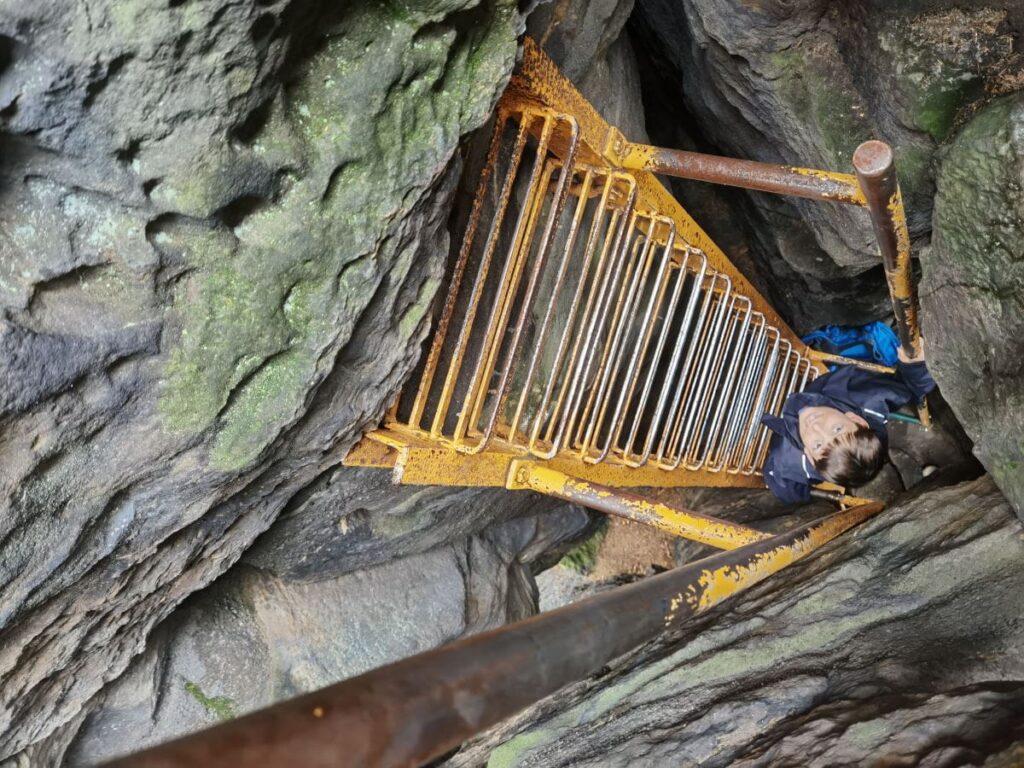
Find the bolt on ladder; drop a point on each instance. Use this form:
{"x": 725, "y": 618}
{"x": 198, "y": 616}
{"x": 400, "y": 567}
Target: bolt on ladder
{"x": 594, "y": 338}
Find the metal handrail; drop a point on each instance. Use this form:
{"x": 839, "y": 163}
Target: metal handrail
{"x": 410, "y": 712}
{"x": 659, "y": 366}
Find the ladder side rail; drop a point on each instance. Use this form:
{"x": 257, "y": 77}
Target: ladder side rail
{"x": 483, "y": 270}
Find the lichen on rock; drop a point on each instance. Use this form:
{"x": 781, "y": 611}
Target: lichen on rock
{"x": 371, "y": 119}
{"x": 884, "y": 643}
{"x": 945, "y": 60}
{"x": 222, "y": 227}
{"x": 976, "y": 264}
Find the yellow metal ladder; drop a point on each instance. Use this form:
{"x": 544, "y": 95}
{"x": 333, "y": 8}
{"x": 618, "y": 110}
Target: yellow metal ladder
{"x": 593, "y": 336}
{"x": 593, "y": 339}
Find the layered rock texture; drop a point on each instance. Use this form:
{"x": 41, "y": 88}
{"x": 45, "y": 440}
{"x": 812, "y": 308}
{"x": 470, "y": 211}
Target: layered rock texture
{"x": 976, "y": 264}
{"x": 885, "y": 645}
{"x": 222, "y": 225}
{"x": 222, "y": 229}
{"x": 804, "y": 84}
{"x": 308, "y": 608}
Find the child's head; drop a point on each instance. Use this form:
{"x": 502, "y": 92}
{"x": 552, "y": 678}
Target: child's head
{"x": 852, "y": 459}
{"x": 843, "y": 448}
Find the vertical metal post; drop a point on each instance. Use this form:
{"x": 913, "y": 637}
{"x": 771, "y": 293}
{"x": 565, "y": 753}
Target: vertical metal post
{"x": 875, "y": 166}
{"x": 876, "y": 172}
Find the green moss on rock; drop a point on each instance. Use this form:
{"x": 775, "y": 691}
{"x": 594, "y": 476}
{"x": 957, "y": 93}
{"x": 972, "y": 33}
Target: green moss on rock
{"x": 583, "y": 556}
{"x": 368, "y": 126}
{"x": 973, "y": 288}
{"x": 509, "y": 753}
{"x": 940, "y": 62}
{"x": 821, "y": 94}
{"x": 221, "y": 707}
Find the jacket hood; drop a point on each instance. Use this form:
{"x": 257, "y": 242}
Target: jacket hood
{"x": 832, "y": 391}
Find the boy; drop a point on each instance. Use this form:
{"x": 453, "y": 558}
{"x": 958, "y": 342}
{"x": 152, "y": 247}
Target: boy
{"x": 835, "y": 429}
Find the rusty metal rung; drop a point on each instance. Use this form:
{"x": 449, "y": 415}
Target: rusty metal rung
{"x": 593, "y": 338}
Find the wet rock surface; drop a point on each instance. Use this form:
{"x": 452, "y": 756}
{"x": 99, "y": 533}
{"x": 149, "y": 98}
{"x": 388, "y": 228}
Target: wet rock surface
{"x": 258, "y": 636}
{"x": 885, "y": 642}
{"x": 804, "y": 84}
{"x": 973, "y": 288}
{"x": 222, "y": 225}
{"x": 269, "y": 348}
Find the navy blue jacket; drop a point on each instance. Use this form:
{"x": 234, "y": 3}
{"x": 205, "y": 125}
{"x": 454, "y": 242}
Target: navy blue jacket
{"x": 787, "y": 471}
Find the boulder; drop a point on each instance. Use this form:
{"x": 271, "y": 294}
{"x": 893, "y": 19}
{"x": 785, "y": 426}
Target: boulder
{"x": 972, "y": 293}
{"x": 222, "y": 226}
{"x": 901, "y": 640}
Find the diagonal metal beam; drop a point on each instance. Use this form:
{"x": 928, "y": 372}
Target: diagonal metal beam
{"x": 679, "y": 522}
{"x": 410, "y": 712}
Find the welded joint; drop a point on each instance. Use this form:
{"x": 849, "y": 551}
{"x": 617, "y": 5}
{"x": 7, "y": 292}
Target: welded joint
{"x": 615, "y": 144}
{"x": 518, "y": 478}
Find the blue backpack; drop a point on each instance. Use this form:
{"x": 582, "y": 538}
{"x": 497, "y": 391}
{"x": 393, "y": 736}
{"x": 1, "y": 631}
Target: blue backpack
{"x": 875, "y": 342}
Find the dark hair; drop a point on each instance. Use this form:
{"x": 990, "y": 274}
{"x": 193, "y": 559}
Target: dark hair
{"x": 852, "y": 459}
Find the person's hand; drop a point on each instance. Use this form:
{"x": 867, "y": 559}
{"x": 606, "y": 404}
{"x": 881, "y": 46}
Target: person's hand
{"x": 905, "y": 356}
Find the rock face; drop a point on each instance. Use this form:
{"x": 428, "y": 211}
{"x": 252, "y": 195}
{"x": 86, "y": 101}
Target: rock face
{"x": 976, "y": 264}
{"x": 353, "y": 519}
{"x": 296, "y": 241}
{"x": 222, "y": 225}
{"x": 262, "y": 634}
{"x": 902, "y": 639}
{"x": 586, "y": 40}
{"x": 803, "y": 84}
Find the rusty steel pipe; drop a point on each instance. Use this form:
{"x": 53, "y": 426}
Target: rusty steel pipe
{"x": 409, "y": 712}
{"x": 875, "y": 165}
{"x": 828, "y": 357}
{"x": 748, "y": 174}
{"x": 876, "y": 171}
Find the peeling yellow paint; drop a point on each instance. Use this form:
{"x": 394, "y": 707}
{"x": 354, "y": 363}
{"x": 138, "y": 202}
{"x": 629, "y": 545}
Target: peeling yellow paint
{"x": 679, "y": 522}
{"x": 716, "y": 585}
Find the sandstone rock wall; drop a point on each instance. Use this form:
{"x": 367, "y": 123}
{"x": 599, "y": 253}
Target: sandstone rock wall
{"x": 899, "y": 641}
{"x": 342, "y": 541}
{"x": 973, "y": 288}
{"x": 803, "y": 84}
{"x": 221, "y": 226}
{"x": 293, "y": 624}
